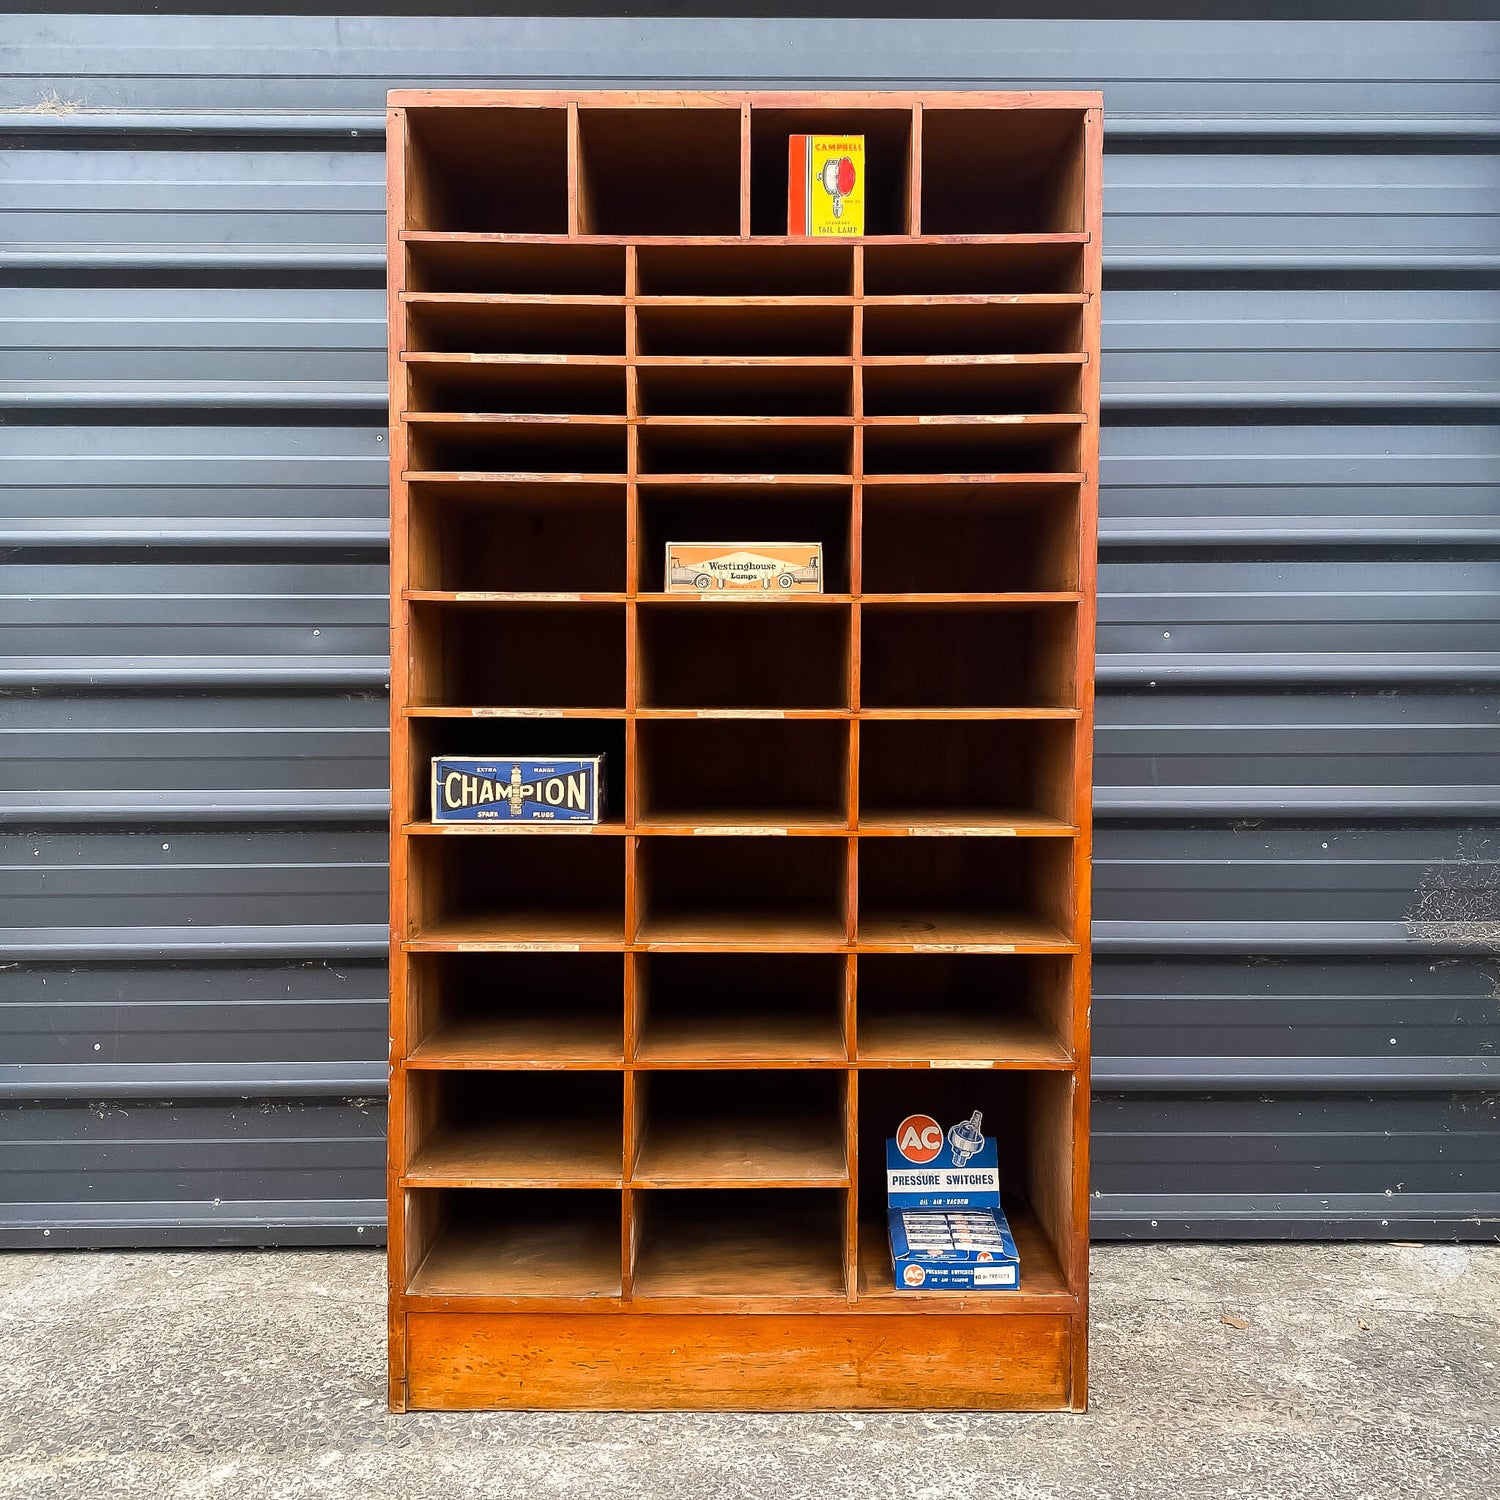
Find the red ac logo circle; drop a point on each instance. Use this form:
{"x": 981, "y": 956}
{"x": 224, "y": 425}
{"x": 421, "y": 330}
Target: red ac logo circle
{"x": 919, "y": 1138}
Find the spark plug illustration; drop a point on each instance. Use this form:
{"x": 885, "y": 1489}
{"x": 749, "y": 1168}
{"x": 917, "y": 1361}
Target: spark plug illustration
{"x": 837, "y": 178}
{"x": 967, "y": 1139}
{"x": 515, "y": 793}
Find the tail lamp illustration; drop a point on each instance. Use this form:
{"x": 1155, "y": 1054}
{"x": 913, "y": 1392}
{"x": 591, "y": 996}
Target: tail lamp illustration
{"x": 837, "y": 177}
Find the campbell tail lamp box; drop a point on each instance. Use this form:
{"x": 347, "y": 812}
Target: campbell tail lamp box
{"x": 709, "y": 568}
{"x": 826, "y": 185}
{"x": 947, "y": 1229}
{"x": 511, "y": 790}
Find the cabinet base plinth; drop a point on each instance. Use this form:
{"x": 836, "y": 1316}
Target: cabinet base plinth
{"x": 751, "y": 1362}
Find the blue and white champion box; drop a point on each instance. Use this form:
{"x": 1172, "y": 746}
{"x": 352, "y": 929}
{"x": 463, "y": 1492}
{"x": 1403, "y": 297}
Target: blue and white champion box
{"x": 947, "y": 1229}
{"x": 509, "y": 790}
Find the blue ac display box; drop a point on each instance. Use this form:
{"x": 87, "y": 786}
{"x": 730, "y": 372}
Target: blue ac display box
{"x": 511, "y": 790}
{"x": 948, "y": 1231}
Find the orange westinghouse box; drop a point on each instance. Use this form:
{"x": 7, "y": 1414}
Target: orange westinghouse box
{"x": 826, "y": 185}
{"x": 733, "y": 567}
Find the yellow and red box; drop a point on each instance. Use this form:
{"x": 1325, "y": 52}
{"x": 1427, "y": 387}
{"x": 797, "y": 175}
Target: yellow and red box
{"x": 826, "y": 185}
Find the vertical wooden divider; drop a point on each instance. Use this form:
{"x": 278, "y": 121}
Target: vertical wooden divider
{"x": 856, "y": 585}
{"x": 914, "y": 174}
{"x": 745, "y": 170}
{"x": 576, "y": 218}
{"x": 629, "y": 1216}
{"x": 1092, "y": 184}
{"x": 398, "y": 147}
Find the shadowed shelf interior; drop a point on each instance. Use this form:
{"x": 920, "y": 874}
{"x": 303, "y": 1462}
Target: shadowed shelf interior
{"x": 643, "y": 1069}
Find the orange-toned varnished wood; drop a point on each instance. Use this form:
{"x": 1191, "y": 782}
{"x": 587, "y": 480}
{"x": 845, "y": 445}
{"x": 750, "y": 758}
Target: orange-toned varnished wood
{"x": 641, "y": 1079}
{"x": 741, "y": 1361}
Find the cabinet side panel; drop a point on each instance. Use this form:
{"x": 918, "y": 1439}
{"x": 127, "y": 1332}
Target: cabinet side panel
{"x": 1088, "y": 526}
{"x": 398, "y": 148}
{"x": 754, "y": 1362}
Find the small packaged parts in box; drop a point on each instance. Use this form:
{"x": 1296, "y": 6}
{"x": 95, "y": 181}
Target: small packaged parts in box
{"x": 826, "y": 185}
{"x": 947, "y": 1229}
{"x": 517, "y": 789}
{"x": 733, "y": 567}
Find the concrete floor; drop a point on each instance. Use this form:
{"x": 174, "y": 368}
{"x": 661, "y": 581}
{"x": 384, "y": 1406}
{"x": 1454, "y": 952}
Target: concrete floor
{"x": 1363, "y": 1371}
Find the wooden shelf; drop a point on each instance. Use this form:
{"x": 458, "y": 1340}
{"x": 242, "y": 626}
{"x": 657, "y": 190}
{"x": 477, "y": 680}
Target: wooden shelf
{"x": 740, "y": 1040}
{"x": 523, "y": 1245}
{"x": 521, "y": 1153}
{"x": 743, "y": 1150}
{"x": 643, "y": 1071}
{"x": 555, "y": 926}
{"x": 976, "y": 822}
{"x": 560, "y": 1040}
{"x": 421, "y": 829}
{"x": 789, "y": 930}
{"x": 752, "y": 1246}
{"x": 1042, "y": 1279}
{"x": 945, "y": 1039}
{"x": 950, "y": 931}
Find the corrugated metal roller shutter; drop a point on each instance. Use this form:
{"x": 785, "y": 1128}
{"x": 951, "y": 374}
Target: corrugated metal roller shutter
{"x": 1297, "y": 902}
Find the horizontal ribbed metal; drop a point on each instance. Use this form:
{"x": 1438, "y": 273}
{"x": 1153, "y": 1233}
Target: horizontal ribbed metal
{"x": 1295, "y": 1013}
{"x": 1118, "y": 129}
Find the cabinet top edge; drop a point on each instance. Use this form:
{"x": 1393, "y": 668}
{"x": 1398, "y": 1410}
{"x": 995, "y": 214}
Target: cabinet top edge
{"x": 1020, "y": 99}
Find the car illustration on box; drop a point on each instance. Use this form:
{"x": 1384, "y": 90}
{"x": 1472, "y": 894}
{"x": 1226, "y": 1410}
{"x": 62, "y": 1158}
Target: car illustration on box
{"x": 708, "y": 568}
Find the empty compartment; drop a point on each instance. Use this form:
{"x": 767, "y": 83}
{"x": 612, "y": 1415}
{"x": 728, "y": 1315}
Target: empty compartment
{"x": 761, "y": 654}
{"x": 517, "y": 538}
{"x": 1035, "y": 327}
{"x": 521, "y": 1128}
{"x": 970, "y": 538}
{"x": 735, "y": 329}
{"x": 748, "y": 773}
{"x": 1000, "y": 1010}
{"x": 766, "y": 1242}
{"x": 887, "y": 134}
{"x": 743, "y": 891}
{"x": 1033, "y": 383}
{"x": 507, "y": 889}
{"x": 535, "y": 446}
{"x": 489, "y": 266}
{"x": 669, "y": 448}
{"x": 475, "y": 383}
{"x": 491, "y": 169}
{"x": 533, "y": 1009}
{"x": 746, "y": 270}
{"x": 946, "y": 270}
{"x": 536, "y": 655}
{"x": 765, "y": 1009}
{"x": 659, "y": 171}
{"x": 973, "y": 445}
{"x": 495, "y": 738}
{"x": 784, "y": 512}
{"x": 756, "y": 390}
{"x": 945, "y": 892}
{"x": 968, "y": 656}
{"x": 725, "y": 1129}
{"x": 514, "y": 1242}
{"x": 1002, "y": 171}
{"x": 450, "y": 324}
{"x": 1031, "y": 1116}
{"x": 984, "y": 775}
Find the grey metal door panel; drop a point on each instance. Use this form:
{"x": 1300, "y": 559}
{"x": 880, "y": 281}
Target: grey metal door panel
{"x": 1295, "y": 1002}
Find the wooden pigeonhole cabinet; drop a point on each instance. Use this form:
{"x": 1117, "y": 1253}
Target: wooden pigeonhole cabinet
{"x": 642, "y": 1072}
